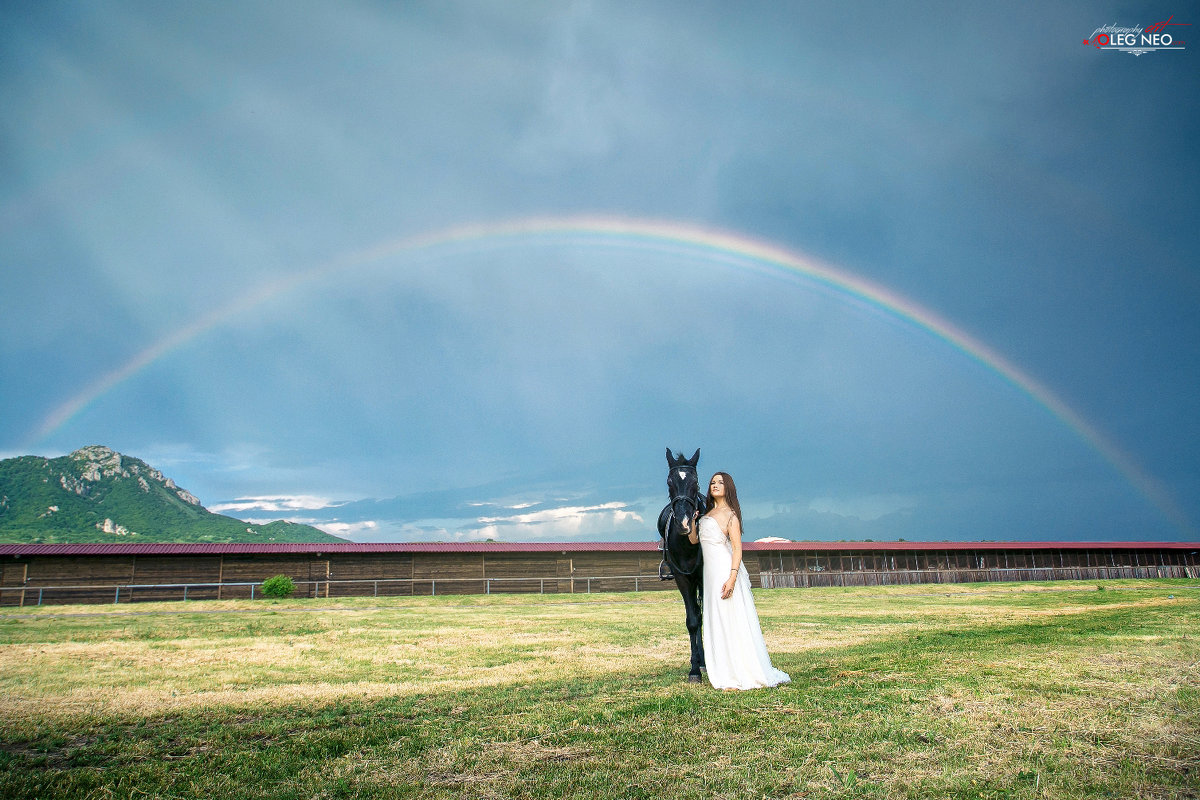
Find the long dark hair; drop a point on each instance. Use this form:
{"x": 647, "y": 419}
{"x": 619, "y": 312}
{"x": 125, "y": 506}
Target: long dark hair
{"x": 730, "y": 497}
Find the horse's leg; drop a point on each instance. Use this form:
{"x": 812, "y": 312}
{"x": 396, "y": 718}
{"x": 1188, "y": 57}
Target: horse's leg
{"x": 697, "y": 638}
{"x": 688, "y": 588}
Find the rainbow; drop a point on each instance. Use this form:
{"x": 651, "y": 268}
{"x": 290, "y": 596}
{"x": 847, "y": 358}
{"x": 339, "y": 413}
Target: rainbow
{"x": 673, "y": 237}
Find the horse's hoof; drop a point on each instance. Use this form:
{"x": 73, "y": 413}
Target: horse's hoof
{"x": 693, "y": 678}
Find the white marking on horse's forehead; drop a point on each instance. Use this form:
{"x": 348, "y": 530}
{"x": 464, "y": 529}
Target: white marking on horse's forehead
{"x": 682, "y": 474}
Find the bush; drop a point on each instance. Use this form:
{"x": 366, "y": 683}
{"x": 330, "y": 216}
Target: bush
{"x": 278, "y": 586}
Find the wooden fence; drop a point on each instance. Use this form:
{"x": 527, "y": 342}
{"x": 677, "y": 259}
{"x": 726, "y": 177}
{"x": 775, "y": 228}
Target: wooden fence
{"x": 767, "y": 579}
{"x": 799, "y": 579}
{"x": 383, "y": 587}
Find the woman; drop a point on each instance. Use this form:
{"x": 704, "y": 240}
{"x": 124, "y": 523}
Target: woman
{"x": 734, "y": 651}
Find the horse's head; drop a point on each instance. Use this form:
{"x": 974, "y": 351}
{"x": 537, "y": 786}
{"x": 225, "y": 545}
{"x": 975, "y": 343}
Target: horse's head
{"x": 683, "y": 487}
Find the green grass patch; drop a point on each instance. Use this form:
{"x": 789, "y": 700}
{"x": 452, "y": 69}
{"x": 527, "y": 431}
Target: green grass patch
{"x": 976, "y": 691}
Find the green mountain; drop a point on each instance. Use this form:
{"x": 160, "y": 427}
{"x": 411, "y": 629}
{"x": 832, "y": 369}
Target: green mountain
{"x": 98, "y": 495}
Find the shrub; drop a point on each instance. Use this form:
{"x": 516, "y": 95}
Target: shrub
{"x": 278, "y": 586}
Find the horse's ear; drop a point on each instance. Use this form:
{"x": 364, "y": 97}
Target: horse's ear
{"x": 695, "y": 459}
{"x": 670, "y": 458}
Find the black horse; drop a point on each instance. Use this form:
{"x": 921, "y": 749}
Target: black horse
{"x": 682, "y": 560}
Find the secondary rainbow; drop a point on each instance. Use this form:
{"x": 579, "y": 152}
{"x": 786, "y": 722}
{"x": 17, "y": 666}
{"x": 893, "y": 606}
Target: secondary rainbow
{"x": 676, "y": 237}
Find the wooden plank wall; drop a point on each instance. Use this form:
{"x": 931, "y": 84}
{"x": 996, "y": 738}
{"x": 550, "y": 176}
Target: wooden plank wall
{"x": 389, "y": 574}
{"x": 792, "y": 580}
{"x": 13, "y": 573}
{"x": 392, "y": 571}
{"x": 609, "y": 572}
{"x": 69, "y": 571}
{"x": 168, "y": 569}
{"x": 817, "y": 568}
{"x": 252, "y": 568}
{"x": 523, "y": 572}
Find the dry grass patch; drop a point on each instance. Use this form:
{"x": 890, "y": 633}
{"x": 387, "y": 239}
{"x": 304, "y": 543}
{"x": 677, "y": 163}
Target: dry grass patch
{"x": 895, "y": 694}
{"x": 357, "y": 654}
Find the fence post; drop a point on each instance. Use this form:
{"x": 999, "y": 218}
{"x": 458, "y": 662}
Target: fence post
{"x": 252, "y": 591}
{"x": 377, "y": 588}
{"x": 117, "y": 598}
{"x": 185, "y": 591}
{"x": 39, "y": 597}
{"x": 541, "y": 586}
{"x": 432, "y": 587}
{"x": 487, "y": 585}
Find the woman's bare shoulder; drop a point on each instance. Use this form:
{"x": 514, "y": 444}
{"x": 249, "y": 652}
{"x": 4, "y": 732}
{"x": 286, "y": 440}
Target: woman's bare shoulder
{"x": 726, "y": 520}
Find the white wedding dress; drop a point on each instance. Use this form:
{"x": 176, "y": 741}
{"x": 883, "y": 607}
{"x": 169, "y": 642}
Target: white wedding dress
{"x": 734, "y": 652}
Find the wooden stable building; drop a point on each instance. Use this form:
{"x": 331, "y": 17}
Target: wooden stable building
{"x": 90, "y": 573}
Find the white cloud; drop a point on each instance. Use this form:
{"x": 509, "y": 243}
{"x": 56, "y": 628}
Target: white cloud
{"x": 567, "y": 515}
{"x": 612, "y": 521}
{"x": 564, "y": 522}
{"x": 349, "y": 530}
{"x": 276, "y": 503}
{"x": 515, "y": 507}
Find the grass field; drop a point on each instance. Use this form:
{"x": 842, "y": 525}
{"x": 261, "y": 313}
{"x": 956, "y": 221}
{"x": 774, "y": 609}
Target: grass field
{"x": 972, "y": 691}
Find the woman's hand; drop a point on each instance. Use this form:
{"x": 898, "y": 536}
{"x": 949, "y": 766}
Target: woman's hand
{"x": 727, "y": 588}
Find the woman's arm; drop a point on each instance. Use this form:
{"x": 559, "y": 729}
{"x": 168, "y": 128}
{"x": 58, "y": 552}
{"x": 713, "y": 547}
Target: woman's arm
{"x": 735, "y": 540}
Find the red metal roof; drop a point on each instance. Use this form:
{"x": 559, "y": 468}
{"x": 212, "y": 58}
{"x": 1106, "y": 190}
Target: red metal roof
{"x": 164, "y": 548}
{"x": 191, "y": 548}
{"x": 872, "y": 546}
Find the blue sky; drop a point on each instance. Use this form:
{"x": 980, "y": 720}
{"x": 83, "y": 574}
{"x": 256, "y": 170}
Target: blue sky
{"x": 229, "y": 248}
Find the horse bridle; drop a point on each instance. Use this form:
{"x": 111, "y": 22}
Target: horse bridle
{"x": 694, "y": 502}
